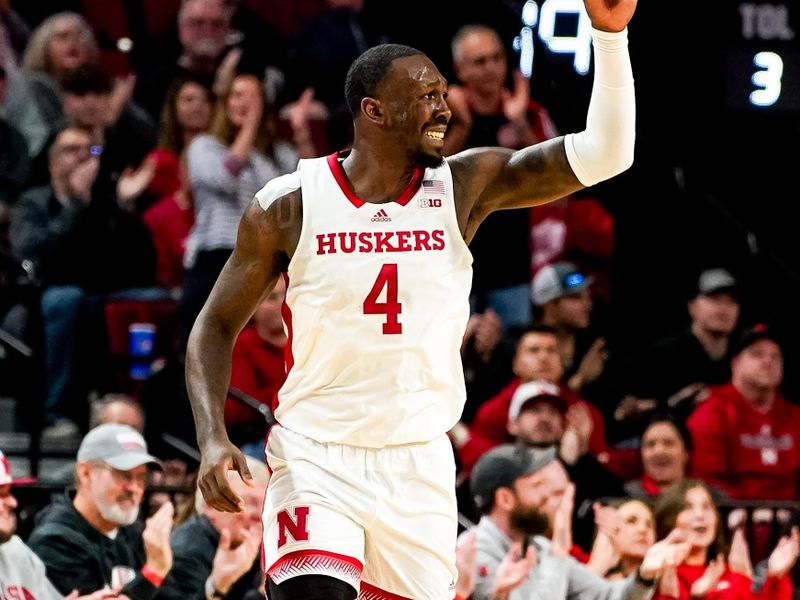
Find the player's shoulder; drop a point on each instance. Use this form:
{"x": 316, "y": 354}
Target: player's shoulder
{"x": 277, "y": 188}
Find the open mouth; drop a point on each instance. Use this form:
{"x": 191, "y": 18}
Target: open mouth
{"x": 435, "y": 135}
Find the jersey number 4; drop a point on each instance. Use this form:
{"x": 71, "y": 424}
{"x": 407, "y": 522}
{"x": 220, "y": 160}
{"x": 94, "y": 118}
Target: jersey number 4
{"x": 387, "y": 278}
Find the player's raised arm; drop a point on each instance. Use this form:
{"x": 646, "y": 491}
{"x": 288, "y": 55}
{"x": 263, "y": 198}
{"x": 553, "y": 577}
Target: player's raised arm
{"x": 250, "y": 273}
{"x": 500, "y": 178}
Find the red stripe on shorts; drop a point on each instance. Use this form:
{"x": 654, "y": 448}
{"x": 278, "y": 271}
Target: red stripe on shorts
{"x": 316, "y": 562}
{"x": 371, "y": 592}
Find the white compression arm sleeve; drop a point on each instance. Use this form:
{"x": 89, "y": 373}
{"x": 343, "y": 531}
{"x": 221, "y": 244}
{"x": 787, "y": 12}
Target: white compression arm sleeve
{"x": 605, "y": 147}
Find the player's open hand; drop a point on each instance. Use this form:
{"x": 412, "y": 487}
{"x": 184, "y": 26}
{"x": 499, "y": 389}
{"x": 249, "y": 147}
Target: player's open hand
{"x": 610, "y": 15}
{"x": 218, "y": 459}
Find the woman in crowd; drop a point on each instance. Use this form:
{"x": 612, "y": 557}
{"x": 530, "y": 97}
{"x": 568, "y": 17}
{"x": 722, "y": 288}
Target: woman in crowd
{"x": 187, "y": 113}
{"x": 665, "y": 447}
{"x": 625, "y": 532}
{"x": 62, "y": 42}
{"x": 226, "y": 168}
{"x": 705, "y": 573}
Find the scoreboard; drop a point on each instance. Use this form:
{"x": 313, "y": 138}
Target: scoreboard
{"x": 762, "y": 57}
{"x": 757, "y": 42}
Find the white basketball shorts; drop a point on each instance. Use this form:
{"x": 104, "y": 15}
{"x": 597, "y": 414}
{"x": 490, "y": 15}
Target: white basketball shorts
{"x": 383, "y": 520}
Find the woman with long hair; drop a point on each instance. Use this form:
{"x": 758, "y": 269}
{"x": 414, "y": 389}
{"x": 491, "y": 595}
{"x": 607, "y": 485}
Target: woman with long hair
{"x": 227, "y": 166}
{"x": 61, "y": 43}
{"x": 186, "y": 113}
{"x": 713, "y": 570}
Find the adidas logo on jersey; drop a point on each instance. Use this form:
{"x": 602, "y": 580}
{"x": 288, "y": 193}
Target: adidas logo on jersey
{"x": 381, "y": 217}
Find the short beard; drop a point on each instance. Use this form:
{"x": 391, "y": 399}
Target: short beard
{"x": 116, "y": 514}
{"x": 528, "y": 521}
{"x": 428, "y": 161}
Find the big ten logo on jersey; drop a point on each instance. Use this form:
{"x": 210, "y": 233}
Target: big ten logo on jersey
{"x": 430, "y": 203}
{"x": 295, "y": 525}
{"x": 15, "y": 593}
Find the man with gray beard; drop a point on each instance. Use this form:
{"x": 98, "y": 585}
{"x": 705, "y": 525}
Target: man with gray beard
{"x": 93, "y": 539}
{"x": 22, "y": 574}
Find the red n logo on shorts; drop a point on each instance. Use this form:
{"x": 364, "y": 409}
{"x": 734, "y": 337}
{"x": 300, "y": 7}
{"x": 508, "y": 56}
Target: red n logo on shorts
{"x": 297, "y": 527}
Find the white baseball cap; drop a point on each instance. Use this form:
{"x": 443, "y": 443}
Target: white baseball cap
{"x": 120, "y": 446}
{"x": 531, "y": 390}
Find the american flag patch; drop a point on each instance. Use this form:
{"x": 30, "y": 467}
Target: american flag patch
{"x": 433, "y": 186}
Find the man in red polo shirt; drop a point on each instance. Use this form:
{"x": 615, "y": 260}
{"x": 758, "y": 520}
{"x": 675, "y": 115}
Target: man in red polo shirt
{"x": 746, "y": 436}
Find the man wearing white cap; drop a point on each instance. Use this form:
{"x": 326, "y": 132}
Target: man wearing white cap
{"x": 22, "y": 573}
{"x": 93, "y": 539}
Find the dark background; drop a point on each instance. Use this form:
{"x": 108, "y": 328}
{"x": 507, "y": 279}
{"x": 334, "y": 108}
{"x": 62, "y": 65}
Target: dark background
{"x": 711, "y": 185}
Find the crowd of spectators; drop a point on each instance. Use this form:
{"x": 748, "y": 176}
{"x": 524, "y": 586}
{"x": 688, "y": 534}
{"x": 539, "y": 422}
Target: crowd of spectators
{"x": 589, "y": 469}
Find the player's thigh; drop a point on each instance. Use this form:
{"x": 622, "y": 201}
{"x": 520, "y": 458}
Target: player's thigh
{"x": 410, "y": 547}
{"x": 311, "y": 587}
{"x": 310, "y": 524}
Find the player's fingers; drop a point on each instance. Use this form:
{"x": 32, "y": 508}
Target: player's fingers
{"x": 225, "y": 494}
{"x": 240, "y": 464}
{"x": 213, "y": 495}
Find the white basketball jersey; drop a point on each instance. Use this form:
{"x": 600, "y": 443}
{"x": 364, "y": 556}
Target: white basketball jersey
{"x": 377, "y": 302}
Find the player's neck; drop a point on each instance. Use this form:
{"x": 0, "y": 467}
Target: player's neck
{"x": 377, "y": 176}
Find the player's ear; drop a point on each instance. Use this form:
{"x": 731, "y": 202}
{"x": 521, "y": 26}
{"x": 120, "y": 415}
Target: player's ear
{"x": 372, "y": 109}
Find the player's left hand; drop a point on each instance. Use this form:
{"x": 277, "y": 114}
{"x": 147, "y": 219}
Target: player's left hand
{"x": 220, "y": 457}
{"x": 610, "y": 15}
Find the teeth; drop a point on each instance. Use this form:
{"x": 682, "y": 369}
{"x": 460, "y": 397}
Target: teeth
{"x": 437, "y": 135}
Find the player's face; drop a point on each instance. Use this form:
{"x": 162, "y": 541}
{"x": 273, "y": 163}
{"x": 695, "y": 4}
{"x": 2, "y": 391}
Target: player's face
{"x": 417, "y": 114}
{"x": 664, "y": 455}
{"x": 8, "y": 519}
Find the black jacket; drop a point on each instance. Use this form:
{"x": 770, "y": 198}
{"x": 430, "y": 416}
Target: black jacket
{"x": 194, "y": 544}
{"x": 78, "y": 556}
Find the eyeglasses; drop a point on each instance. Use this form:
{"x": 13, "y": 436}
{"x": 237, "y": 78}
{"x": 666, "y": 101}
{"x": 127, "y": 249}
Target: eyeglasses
{"x": 75, "y": 149}
{"x": 124, "y": 477}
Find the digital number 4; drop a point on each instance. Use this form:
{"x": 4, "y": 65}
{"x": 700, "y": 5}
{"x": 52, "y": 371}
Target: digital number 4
{"x": 387, "y": 278}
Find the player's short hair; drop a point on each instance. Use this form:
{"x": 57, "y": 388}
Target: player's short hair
{"x": 369, "y": 69}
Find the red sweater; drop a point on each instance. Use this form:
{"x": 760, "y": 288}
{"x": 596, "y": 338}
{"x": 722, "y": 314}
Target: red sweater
{"x": 169, "y": 226}
{"x": 258, "y": 370}
{"x": 747, "y": 453}
{"x": 489, "y": 426}
{"x": 732, "y": 586}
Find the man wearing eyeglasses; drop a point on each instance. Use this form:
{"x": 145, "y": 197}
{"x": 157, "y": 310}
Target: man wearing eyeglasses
{"x": 94, "y": 539}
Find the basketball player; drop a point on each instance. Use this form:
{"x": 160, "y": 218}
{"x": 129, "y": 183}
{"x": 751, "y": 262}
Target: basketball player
{"x": 372, "y": 245}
